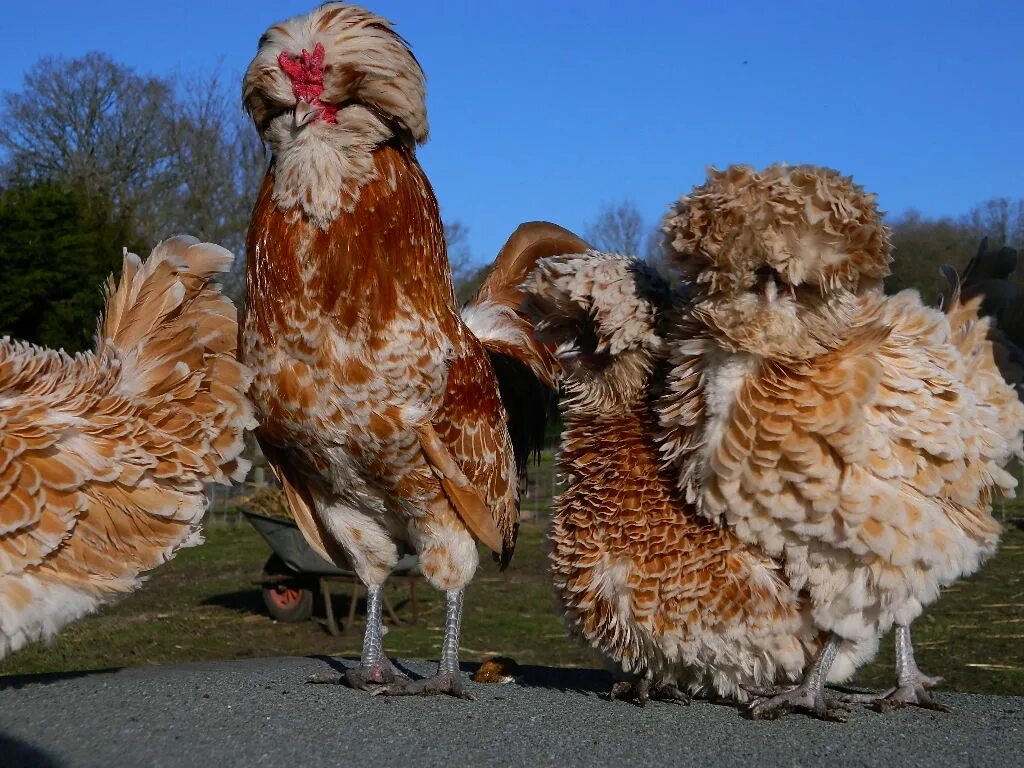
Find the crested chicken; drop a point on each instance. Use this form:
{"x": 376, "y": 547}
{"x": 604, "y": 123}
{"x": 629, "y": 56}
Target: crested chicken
{"x": 105, "y": 455}
{"x": 673, "y": 602}
{"x": 857, "y": 438}
{"x": 389, "y": 417}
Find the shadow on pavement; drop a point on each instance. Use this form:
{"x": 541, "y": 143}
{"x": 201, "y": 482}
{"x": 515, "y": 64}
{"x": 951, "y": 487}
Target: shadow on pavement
{"x": 13, "y": 682}
{"x": 20, "y": 754}
{"x": 566, "y": 679}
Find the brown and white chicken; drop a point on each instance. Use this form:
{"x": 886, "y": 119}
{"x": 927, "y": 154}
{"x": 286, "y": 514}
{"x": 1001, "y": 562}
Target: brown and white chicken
{"x": 673, "y": 601}
{"x": 383, "y": 410}
{"x": 105, "y": 455}
{"x": 855, "y": 437}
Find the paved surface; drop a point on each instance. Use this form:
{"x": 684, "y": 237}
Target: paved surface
{"x": 259, "y": 713}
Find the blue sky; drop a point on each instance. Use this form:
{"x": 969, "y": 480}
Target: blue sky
{"x": 550, "y": 109}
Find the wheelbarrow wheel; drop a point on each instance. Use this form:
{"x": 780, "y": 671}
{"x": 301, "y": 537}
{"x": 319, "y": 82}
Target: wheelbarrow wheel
{"x": 288, "y": 600}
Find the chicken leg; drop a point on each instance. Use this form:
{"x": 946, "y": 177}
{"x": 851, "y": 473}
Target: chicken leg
{"x": 911, "y": 684}
{"x": 809, "y": 695}
{"x": 448, "y": 679}
{"x": 375, "y": 668}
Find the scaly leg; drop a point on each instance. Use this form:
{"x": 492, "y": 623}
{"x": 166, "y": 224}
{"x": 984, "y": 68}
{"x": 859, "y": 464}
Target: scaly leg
{"x": 809, "y": 695}
{"x": 448, "y": 679}
{"x": 911, "y": 684}
{"x": 374, "y": 668}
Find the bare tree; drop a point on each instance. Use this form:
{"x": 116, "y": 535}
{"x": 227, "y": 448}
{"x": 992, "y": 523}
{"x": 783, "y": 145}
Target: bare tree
{"x": 618, "y": 228}
{"x": 168, "y": 155}
{"x": 456, "y": 237}
{"x": 621, "y": 229}
{"x": 93, "y": 124}
{"x": 466, "y": 276}
{"x": 1000, "y": 219}
{"x": 217, "y": 165}
{"x": 922, "y": 244}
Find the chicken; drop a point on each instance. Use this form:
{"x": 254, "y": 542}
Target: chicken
{"x": 672, "y": 601}
{"x": 382, "y": 409}
{"x": 857, "y": 438}
{"x": 990, "y": 276}
{"x": 105, "y": 454}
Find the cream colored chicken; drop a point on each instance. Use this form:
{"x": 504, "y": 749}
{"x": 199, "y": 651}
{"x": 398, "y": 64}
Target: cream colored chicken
{"x": 105, "y": 455}
{"x": 855, "y": 437}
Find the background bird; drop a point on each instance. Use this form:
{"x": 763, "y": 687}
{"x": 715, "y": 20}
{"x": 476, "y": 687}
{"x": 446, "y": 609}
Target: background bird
{"x": 384, "y": 412}
{"x": 990, "y": 275}
{"x": 858, "y": 438}
{"x": 105, "y": 455}
{"x": 670, "y": 599}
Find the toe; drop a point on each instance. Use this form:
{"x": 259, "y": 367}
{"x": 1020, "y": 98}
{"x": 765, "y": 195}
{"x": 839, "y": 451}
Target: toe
{"x": 431, "y": 686}
{"x": 767, "y": 693}
{"x": 325, "y": 680}
{"x": 673, "y": 694}
{"x": 620, "y": 690}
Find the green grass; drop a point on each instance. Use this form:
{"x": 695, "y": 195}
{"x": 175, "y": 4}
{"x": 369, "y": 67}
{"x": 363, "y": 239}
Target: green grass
{"x": 974, "y": 635}
{"x": 203, "y": 606}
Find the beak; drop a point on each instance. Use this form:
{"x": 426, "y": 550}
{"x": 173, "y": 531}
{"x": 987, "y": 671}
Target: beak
{"x": 305, "y": 113}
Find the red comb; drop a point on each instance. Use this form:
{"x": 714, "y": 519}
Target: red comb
{"x": 306, "y": 72}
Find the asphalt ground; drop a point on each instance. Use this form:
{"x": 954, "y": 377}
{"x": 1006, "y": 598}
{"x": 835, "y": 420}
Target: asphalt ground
{"x": 261, "y": 713}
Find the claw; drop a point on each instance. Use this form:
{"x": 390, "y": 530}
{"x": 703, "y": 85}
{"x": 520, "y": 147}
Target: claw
{"x": 360, "y": 678}
{"x": 912, "y": 684}
{"x": 325, "y": 680}
{"x": 773, "y": 703}
{"x": 913, "y": 694}
{"x": 671, "y": 693}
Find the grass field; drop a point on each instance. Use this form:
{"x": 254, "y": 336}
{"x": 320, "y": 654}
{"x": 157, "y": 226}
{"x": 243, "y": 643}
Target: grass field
{"x": 203, "y": 606}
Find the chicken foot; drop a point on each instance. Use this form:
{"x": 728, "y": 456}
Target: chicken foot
{"x": 809, "y": 695}
{"x": 375, "y": 668}
{"x": 448, "y": 678}
{"x": 912, "y": 685}
{"x": 644, "y": 689}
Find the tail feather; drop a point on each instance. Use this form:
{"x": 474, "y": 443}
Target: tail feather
{"x": 526, "y": 370}
{"x": 112, "y": 450}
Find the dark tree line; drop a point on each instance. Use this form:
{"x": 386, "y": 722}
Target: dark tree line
{"x": 130, "y": 160}
{"x": 57, "y": 247}
{"x": 921, "y": 245}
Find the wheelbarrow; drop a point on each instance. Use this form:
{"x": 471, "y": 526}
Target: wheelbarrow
{"x": 294, "y": 573}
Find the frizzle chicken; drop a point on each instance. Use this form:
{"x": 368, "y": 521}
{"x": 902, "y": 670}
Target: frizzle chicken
{"x": 674, "y": 603}
{"x": 856, "y": 437}
{"x": 106, "y": 454}
{"x": 389, "y": 417}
